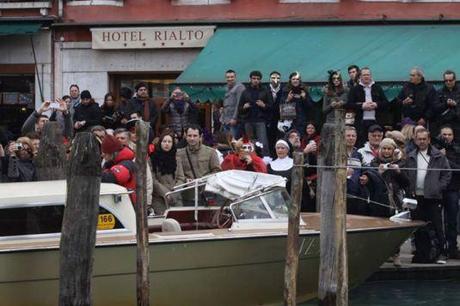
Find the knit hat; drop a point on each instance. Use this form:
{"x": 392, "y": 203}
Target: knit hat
{"x": 388, "y": 142}
{"x": 397, "y": 136}
{"x": 110, "y": 145}
{"x": 85, "y": 94}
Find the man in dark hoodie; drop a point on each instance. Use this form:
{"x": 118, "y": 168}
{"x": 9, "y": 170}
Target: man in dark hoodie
{"x": 254, "y": 110}
{"x": 87, "y": 113}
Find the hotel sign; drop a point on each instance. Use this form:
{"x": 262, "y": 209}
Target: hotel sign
{"x": 151, "y": 37}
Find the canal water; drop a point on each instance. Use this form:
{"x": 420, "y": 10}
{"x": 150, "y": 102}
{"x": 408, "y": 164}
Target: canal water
{"x": 402, "y": 293}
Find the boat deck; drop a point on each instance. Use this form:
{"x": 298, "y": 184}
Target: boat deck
{"x": 312, "y": 224}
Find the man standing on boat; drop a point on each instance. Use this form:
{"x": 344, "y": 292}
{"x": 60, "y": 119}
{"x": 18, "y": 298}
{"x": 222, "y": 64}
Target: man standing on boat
{"x": 427, "y": 186}
{"x": 119, "y": 167}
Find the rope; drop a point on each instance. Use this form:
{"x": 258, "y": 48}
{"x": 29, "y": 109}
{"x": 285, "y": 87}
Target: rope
{"x": 372, "y": 168}
{"x": 368, "y": 201}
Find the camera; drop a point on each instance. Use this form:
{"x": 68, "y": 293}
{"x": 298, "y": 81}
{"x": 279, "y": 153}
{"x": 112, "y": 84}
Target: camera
{"x": 386, "y": 166}
{"x": 19, "y": 146}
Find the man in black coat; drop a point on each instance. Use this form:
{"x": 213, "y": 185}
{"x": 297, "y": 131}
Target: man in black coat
{"x": 449, "y": 106}
{"x": 418, "y": 99}
{"x": 254, "y": 110}
{"x": 87, "y": 113}
{"x": 366, "y": 99}
{"x": 142, "y": 104}
{"x": 449, "y": 148}
{"x": 427, "y": 186}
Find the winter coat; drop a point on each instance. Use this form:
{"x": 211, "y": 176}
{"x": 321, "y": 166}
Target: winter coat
{"x": 435, "y": 181}
{"x": 367, "y": 153}
{"x": 357, "y": 96}
{"x": 448, "y": 115}
{"x": 302, "y": 107}
{"x": 136, "y": 105}
{"x": 453, "y": 156}
{"x": 179, "y": 120}
{"x": 19, "y": 170}
{"x": 122, "y": 171}
{"x": 396, "y": 183}
{"x": 425, "y": 100}
{"x": 203, "y": 161}
{"x": 163, "y": 183}
{"x": 233, "y": 161}
{"x": 230, "y": 103}
{"x": 255, "y": 113}
{"x": 91, "y": 113}
{"x": 328, "y": 111}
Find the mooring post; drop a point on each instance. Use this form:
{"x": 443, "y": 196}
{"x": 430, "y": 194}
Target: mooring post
{"x": 50, "y": 160}
{"x": 292, "y": 251}
{"x": 333, "y": 272}
{"x": 78, "y": 236}
{"x": 142, "y": 279}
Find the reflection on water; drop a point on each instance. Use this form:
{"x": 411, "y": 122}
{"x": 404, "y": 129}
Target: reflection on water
{"x": 401, "y": 293}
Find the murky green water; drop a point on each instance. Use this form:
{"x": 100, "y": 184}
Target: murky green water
{"x": 401, "y": 293}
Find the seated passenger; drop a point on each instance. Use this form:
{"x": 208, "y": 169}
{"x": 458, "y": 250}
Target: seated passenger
{"x": 244, "y": 158}
{"x": 167, "y": 172}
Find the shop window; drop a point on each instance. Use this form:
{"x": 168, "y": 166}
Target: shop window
{"x": 199, "y": 2}
{"x": 95, "y": 2}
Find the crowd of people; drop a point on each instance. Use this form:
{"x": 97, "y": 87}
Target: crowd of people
{"x": 259, "y": 127}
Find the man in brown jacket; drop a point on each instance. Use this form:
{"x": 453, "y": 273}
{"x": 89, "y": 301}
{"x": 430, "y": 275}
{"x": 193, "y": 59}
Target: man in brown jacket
{"x": 197, "y": 159}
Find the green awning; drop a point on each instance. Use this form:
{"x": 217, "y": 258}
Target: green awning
{"x": 389, "y": 50}
{"x": 15, "y": 28}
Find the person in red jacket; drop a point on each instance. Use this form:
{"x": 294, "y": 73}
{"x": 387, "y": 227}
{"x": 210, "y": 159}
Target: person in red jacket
{"x": 119, "y": 167}
{"x": 244, "y": 158}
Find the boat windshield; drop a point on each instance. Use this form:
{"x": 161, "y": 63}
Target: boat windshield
{"x": 270, "y": 205}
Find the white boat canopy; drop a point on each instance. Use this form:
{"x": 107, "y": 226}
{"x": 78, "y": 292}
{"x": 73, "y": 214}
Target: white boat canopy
{"x": 234, "y": 184}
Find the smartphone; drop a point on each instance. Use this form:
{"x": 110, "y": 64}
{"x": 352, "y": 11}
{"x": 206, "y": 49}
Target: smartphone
{"x": 54, "y": 105}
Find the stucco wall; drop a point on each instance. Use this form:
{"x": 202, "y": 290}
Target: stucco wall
{"x": 90, "y": 68}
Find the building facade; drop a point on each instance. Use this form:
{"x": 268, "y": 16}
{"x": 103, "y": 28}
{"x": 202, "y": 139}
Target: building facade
{"x": 103, "y": 45}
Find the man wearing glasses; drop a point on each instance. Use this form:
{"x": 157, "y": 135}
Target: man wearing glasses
{"x": 449, "y": 112}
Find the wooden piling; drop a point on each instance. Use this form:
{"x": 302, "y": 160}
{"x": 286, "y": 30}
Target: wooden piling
{"x": 333, "y": 272}
{"x": 142, "y": 279}
{"x": 50, "y": 160}
{"x": 78, "y": 236}
{"x": 292, "y": 252}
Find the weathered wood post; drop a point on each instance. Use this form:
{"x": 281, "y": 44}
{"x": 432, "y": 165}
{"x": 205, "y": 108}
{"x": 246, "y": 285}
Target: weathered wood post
{"x": 292, "y": 252}
{"x": 333, "y": 272}
{"x": 50, "y": 160}
{"x": 142, "y": 280}
{"x": 80, "y": 220}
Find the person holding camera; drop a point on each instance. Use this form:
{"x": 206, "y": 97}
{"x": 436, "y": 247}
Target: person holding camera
{"x": 180, "y": 110}
{"x": 244, "y": 158}
{"x": 451, "y": 149}
{"x": 294, "y": 106}
{"x": 17, "y": 161}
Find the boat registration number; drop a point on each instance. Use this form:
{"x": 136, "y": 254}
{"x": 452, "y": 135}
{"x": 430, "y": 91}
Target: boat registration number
{"x": 105, "y": 222}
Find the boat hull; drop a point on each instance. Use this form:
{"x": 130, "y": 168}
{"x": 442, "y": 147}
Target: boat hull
{"x": 227, "y": 270}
